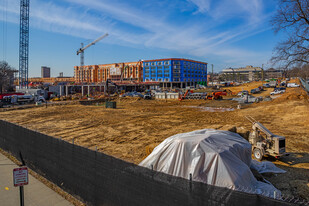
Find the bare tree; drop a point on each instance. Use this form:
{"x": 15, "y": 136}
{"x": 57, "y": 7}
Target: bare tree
{"x": 6, "y": 76}
{"x": 292, "y": 17}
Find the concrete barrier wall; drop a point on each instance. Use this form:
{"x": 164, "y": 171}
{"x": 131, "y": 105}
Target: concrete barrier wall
{"x": 167, "y": 95}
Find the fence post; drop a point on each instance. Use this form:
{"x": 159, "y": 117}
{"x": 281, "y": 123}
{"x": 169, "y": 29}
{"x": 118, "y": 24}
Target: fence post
{"x": 275, "y": 194}
{"x": 190, "y": 182}
{"x": 73, "y": 141}
{"x": 96, "y": 148}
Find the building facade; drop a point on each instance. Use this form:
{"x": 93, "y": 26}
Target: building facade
{"x": 183, "y": 72}
{"x": 273, "y": 73}
{"x": 175, "y": 70}
{"x": 128, "y": 71}
{"x": 89, "y": 74}
{"x": 45, "y": 72}
{"x": 248, "y": 73}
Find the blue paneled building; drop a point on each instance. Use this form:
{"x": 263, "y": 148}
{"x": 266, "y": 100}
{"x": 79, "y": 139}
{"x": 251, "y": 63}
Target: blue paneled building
{"x": 175, "y": 72}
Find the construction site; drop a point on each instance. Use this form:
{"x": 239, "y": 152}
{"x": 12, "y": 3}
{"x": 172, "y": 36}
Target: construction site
{"x": 161, "y": 131}
{"x": 137, "y": 125}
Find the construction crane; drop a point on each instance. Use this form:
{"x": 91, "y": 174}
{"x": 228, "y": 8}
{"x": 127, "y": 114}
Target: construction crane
{"x": 23, "y": 43}
{"x": 81, "y": 52}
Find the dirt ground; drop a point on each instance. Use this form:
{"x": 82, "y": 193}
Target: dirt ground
{"x": 131, "y": 131}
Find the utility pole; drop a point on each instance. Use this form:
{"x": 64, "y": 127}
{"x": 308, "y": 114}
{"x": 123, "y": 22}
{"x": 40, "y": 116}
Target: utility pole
{"x": 212, "y": 75}
{"x": 262, "y": 73}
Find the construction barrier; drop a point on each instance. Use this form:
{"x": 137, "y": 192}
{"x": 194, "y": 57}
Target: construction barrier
{"x": 99, "y": 179}
{"x": 305, "y": 84}
{"x": 163, "y": 95}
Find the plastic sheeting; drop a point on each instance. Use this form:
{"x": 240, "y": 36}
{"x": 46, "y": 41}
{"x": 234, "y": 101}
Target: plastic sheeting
{"x": 265, "y": 167}
{"x": 215, "y": 157}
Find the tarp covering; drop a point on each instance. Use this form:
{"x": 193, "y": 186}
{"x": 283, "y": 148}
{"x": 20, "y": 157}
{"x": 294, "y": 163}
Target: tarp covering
{"x": 215, "y": 157}
{"x": 266, "y": 167}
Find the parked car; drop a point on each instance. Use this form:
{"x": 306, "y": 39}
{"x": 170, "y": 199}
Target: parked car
{"x": 254, "y": 91}
{"x": 244, "y": 92}
{"x": 276, "y": 92}
{"x": 261, "y": 88}
{"x": 280, "y": 89}
{"x": 266, "y": 85}
{"x": 282, "y": 84}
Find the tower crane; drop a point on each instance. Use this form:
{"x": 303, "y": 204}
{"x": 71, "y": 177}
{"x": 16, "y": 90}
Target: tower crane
{"x": 81, "y": 52}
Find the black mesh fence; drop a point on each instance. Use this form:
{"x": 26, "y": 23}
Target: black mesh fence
{"x": 99, "y": 179}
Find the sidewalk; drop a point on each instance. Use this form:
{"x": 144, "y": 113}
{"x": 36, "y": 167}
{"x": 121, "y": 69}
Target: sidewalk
{"x": 35, "y": 193}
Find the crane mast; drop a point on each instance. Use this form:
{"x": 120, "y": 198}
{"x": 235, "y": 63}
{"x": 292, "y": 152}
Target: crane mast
{"x": 81, "y": 52}
{"x": 23, "y": 43}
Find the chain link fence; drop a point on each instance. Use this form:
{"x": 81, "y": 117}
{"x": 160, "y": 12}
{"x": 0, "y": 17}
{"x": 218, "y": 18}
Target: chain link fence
{"x": 305, "y": 84}
{"x": 98, "y": 179}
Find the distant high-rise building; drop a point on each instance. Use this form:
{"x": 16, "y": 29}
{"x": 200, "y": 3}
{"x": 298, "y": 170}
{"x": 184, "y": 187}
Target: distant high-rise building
{"x": 45, "y": 72}
{"x": 61, "y": 74}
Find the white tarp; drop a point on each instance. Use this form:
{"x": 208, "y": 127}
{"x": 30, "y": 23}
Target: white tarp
{"x": 215, "y": 157}
{"x": 266, "y": 167}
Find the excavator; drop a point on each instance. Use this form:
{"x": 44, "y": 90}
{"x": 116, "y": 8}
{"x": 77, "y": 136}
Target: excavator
{"x": 185, "y": 95}
{"x": 217, "y": 95}
{"x": 265, "y": 142}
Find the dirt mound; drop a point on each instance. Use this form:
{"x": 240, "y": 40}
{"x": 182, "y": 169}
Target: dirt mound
{"x": 293, "y": 94}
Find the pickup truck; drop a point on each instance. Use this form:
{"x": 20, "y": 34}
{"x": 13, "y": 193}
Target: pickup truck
{"x": 292, "y": 85}
{"x": 276, "y": 92}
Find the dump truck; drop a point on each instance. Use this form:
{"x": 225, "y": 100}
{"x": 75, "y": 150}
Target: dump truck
{"x": 264, "y": 142}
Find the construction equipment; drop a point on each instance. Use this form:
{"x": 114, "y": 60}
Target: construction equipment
{"x": 82, "y": 49}
{"x": 265, "y": 142}
{"x": 217, "y": 95}
{"x": 24, "y": 44}
{"x": 185, "y": 95}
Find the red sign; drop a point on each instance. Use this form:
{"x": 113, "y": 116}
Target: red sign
{"x": 20, "y": 176}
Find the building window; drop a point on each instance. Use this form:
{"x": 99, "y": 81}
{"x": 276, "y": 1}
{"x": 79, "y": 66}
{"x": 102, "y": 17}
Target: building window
{"x": 153, "y": 63}
{"x": 166, "y": 75}
{"x": 160, "y": 67}
{"x": 176, "y": 80}
{"x": 177, "y": 62}
{"x": 166, "y": 71}
{"x": 153, "y": 67}
{"x": 153, "y": 75}
{"x": 153, "y": 71}
{"x": 160, "y": 75}
{"x": 159, "y": 63}
{"x": 166, "y": 62}
{"x": 147, "y": 64}
{"x": 166, "y": 67}
{"x": 146, "y": 75}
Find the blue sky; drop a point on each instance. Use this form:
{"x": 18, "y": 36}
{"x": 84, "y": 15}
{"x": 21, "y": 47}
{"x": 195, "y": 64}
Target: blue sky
{"x": 226, "y": 33}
